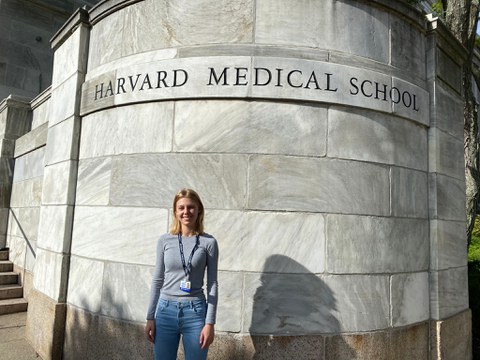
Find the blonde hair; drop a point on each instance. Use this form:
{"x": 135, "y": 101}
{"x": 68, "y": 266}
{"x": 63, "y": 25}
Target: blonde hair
{"x": 176, "y": 227}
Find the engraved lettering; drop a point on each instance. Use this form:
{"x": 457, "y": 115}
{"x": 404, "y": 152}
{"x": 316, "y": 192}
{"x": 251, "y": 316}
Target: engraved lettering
{"x": 268, "y": 74}
{"x": 98, "y": 91}
{"x": 213, "y": 76}
{"x": 161, "y": 76}
{"x": 241, "y": 74}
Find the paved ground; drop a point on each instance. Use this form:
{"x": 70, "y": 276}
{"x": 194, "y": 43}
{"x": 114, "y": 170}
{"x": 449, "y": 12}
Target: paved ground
{"x": 13, "y": 345}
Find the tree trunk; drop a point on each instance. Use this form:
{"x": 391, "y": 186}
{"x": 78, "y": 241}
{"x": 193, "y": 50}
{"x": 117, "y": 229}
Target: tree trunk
{"x": 461, "y": 17}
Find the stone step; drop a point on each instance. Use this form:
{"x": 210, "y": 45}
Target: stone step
{"x": 8, "y": 278}
{"x": 10, "y": 306}
{"x": 6, "y": 266}
{"x": 4, "y": 254}
{"x": 11, "y": 291}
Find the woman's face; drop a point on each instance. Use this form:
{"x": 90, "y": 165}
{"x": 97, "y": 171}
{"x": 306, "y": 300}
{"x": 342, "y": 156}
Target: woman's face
{"x": 186, "y": 211}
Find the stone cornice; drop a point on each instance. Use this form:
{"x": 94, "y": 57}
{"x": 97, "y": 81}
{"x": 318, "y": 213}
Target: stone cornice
{"x": 107, "y": 7}
{"x": 15, "y": 101}
{"x": 79, "y": 17}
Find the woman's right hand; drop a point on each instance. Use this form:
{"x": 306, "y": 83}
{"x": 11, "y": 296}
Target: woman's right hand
{"x": 150, "y": 330}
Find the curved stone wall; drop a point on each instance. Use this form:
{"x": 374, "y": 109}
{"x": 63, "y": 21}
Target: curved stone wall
{"x": 305, "y": 127}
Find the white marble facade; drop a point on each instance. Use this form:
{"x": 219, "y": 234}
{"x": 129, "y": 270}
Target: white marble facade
{"x": 350, "y": 205}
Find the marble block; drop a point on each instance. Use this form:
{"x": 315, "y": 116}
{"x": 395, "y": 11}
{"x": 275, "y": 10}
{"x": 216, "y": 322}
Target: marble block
{"x": 65, "y": 100}
{"x": 448, "y": 110}
{"x": 449, "y": 70}
{"x": 362, "y": 302}
{"x": 93, "y": 181}
{"x": 58, "y": 181}
{"x": 7, "y": 147}
{"x": 55, "y": 227}
{"x": 409, "y": 193}
{"x": 154, "y": 179}
{"x": 409, "y": 298}
{"x": 250, "y": 127}
{"x": 446, "y": 154}
{"x": 106, "y": 39}
{"x": 448, "y": 248}
{"x": 375, "y": 137}
{"x": 448, "y": 292}
{"x": 26, "y": 193}
{"x": 286, "y": 22}
{"x": 446, "y": 198}
{"x": 142, "y": 128}
{"x": 256, "y": 240}
{"x": 6, "y": 171}
{"x": 166, "y": 24}
{"x": 70, "y": 57}
{"x": 364, "y": 244}
{"x": 318, "y": 185}
{"x": 120, "y": 234}
{"x": 85, "y": 283}
{"x": 29, "y": 166}
{"x": 51, "y": 273}
{"x": 411, "y": 59}
{"x": 184, "y": 23}
{"x": 30, "y": 258}
{"x": 322, "y": 304}
{"x": 15, "y": 120}
{"x": 288, "y": 304}
{"x": 229, "y": 308}
{"x": 18, "y": 250}
{"x": 31, "y": 140}
{"x": 40, "y": 108}
{"x": 62, "y": 141}
{"x": 126, "y": 291}
{"x": 23, "y": 222}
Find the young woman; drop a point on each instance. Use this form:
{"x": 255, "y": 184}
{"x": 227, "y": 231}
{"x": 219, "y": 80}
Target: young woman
{"x": 177, "y": 303}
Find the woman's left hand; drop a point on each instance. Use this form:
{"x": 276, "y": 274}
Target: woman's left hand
{"x": 207, "y": 335}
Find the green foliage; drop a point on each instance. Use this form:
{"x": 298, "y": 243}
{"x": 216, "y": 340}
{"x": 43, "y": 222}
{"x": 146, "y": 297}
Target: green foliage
{"x": 474, "y": 286}
{"x": 474, "y": 249}
{"x": 477, "y": 41}
{"x": 438, "y": 10}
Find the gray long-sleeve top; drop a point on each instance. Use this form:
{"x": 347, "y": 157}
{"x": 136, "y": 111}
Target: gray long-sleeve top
{"x": 169, "y": 272}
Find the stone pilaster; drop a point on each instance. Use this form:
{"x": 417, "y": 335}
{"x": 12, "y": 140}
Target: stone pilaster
{"x": 15, "y": 120}
{"x": 45, "y": 330}
{"x": 448, "y": 261}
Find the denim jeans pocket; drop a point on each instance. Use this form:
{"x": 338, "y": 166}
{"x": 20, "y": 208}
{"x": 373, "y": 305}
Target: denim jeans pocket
{"x": 199, "y": 306}
{"x": 162, "y": 304}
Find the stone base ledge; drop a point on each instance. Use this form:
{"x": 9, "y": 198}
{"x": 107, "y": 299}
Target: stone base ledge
{"x": 452, "y": 338}
{"x": 395, "y": 344}
{"x": 45, "y": 325}
{"x": 93, "y": 336}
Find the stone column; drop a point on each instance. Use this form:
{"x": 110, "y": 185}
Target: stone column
{"x": 46, "y": 316}
{"x": 15, "y": 120}
{"x": 450, "y": 338}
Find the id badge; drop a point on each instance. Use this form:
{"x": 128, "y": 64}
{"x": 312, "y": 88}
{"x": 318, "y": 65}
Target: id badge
{"x": 185, "y": 285}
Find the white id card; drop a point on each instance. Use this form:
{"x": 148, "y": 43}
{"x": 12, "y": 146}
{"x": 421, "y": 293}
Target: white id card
{"x": 185, "y": 286}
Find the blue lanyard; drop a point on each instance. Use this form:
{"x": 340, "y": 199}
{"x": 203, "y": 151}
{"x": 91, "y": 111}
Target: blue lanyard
{"x": 187, "y": 268}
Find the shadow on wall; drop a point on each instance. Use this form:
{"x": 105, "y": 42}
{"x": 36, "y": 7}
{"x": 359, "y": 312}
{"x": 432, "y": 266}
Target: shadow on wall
{"x": 296, "y": 307}
{"x": 27, "y": 241}
{"x": 94, "y": 336}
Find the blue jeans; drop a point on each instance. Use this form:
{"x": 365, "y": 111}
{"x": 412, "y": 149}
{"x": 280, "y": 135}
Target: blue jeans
{"x": 172, "y": 319}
